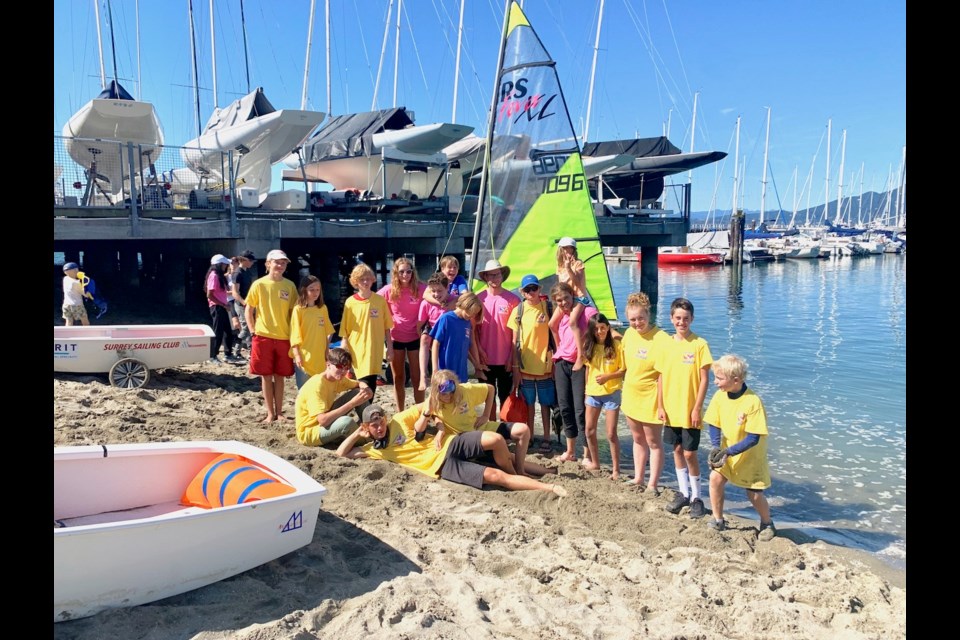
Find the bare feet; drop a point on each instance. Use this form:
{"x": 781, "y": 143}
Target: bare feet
{"x": 268, "y": 419}
{"x": 560, "y": 491}
{"x": 615, "y": 475}
{"x": 550, "y": 470}
{"x": 281, "y": 418}
{"x": 566, "y": 456}
{"x": 589, "y": 466}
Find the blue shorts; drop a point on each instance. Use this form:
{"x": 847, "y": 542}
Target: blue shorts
{"x": 542, "y": 390}
{"x": 609, "y": 402}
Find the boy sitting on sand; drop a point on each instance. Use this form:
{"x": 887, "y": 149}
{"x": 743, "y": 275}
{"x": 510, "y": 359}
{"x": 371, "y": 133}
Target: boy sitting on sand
{"x": 738, "y": 431}
{"x": 404, "y": 440}
{"x": 322, "y": 417}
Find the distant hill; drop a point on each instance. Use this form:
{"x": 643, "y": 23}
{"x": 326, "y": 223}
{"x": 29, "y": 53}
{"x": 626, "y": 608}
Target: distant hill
{"x": 874, "y": 205}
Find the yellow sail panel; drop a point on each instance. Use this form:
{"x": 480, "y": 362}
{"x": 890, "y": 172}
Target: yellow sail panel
{"x": 517, "y": 18}
{"x": 533, "y": 246}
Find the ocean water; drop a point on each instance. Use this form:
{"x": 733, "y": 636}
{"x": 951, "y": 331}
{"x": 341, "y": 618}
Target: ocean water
{"x": 825, "y": 341}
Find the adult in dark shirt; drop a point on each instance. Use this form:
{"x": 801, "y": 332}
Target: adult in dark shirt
{"x": 241, "y": 286}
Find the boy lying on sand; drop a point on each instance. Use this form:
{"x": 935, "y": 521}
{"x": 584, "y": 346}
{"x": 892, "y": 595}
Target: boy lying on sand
{"x": 404, "y": 440}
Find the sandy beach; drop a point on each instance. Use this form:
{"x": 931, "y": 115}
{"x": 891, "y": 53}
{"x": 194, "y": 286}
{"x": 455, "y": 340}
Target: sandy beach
{"x": 396, "y": 555}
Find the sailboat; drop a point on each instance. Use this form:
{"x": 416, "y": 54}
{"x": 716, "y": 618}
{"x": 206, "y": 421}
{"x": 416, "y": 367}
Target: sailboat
{"x": 373, "y": 152}
{"x": 96, "y": 137}
{"x": 522, "y": 215}
{"x": 252, "y": 132}
{"x": 255, "y": 133}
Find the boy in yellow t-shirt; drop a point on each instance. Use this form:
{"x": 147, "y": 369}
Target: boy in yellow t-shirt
{"x": 365, "y": 327}
{"x": 404, "y": 440}
{"x": 738, "y": 432}
{"x": 325, "y": 401}
{"x": 270, "y": 303}
{"x": 683, "y": 365}
{"x": 533, "y": 363}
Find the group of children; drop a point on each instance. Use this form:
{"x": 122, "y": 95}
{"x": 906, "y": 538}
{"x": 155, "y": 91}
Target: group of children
{"x": 554, "y": 350}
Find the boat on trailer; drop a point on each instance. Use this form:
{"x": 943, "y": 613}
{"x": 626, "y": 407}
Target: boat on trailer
{"x": 135, "y": 523}
{"x": 127, "y": 353}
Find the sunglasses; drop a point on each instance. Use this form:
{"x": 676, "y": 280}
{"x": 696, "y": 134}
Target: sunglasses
{"x": 447, "y": 386}
{"x": 405, "y": 272}
{"x": 531, "y": 288}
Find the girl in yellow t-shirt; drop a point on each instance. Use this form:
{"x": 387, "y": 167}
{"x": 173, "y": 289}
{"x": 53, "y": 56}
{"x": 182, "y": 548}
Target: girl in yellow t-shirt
{"x": 310, "y": 331}
{"x": 365, "y": 327}
{"x": 642, "y": 343}
{"x": 604, "y": 380}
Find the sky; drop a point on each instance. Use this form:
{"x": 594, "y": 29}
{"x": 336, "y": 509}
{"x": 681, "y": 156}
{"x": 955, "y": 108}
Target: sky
{"x": 809, "y": 63}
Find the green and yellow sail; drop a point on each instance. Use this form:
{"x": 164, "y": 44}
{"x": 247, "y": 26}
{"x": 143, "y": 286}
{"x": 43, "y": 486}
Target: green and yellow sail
{"x": 535, "y": 191}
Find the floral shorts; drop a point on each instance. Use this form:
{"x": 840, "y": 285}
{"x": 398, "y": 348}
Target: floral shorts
{"x": 76, "y": 312}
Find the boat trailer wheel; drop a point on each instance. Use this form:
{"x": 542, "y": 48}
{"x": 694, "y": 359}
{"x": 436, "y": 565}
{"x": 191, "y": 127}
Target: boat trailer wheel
{"x": 129, "y": 373}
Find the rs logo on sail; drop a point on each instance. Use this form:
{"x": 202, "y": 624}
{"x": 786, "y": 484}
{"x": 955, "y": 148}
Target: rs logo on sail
{"x": 514, "y": 100}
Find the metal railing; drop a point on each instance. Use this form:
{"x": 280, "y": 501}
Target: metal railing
{"x": 109, "y": 174}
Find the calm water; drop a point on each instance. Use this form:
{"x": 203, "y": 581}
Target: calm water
{"x": 826, "y": 345}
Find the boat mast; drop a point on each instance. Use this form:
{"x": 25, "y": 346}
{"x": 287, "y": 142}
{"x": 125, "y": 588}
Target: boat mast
{"x": 383, "y": 51}
{"x": 901, "y": 190}
{"x": 736, "y": 169}
{"x": 139, "y": 82}
{"x": 193, "y": 52}
{"x": 491, "y": 118}
{"x": 329, "y": 94}
{"x": 213, "y": 59}
{"x": 693, "y": 132}
{"x": 456, "y": 71}
{"x": 860, "y": 199}
{"x": 246, "y": 56}
{"x": 763, "y": 181}
{"x": 793, "y": 218}
{"x": 103, "y": 74}
{"x": 306, "y": 63}
{"x": 113, "y": 44}
{"x": 843, "y": 153}
{"x": 593, "y": 72}
{"x": 826, "y": 188}
{"x": 809, "y": 187}
{"x": 396, "y": 53}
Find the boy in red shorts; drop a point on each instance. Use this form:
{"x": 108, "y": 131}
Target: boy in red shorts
{"x": 270, "y": 303}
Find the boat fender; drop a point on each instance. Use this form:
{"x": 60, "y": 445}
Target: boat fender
{"x": 231, "y": 479}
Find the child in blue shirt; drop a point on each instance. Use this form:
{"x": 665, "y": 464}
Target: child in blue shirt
{"x": 452, "y": 335}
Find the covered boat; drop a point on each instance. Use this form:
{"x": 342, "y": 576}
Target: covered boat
{"x": 374, "y": 151}
{"x": 255, "y": 134}
{"x": 96, "y": 138}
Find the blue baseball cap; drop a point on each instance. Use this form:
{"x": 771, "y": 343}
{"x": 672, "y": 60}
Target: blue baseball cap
{"x": 528, "y": 280}
{"x": 70, "y": 265}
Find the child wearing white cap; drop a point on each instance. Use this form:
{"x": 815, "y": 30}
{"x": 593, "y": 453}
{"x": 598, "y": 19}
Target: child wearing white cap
{"x": 270, "y": 303}
{"x": 73, "y": 309}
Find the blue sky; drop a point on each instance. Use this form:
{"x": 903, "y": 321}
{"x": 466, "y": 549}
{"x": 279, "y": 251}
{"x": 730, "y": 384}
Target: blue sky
{"x": 809, "y": 62}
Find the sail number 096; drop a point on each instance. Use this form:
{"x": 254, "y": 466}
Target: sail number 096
{"x": 562, "y": 183}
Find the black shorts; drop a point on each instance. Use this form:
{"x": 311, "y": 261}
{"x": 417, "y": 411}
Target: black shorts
{"x": 501, "y": 379}
{"x": 413, "y": 345}
{"x": 425, "y": 329}
{"x": 688, "y": 439}
{"x": 370, "y": 381}
{"x": 458, "y": 467}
